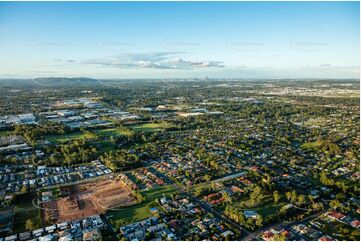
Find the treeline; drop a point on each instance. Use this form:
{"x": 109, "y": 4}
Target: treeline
{"x": 121, "y": 160}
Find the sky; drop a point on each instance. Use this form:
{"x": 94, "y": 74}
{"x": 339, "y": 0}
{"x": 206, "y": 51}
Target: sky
{"x": 180, "y": 39}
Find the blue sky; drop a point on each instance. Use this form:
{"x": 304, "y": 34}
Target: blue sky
{"x": 180, "y": 40}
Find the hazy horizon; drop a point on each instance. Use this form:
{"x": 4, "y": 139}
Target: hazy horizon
{"x": 180, "y": 79}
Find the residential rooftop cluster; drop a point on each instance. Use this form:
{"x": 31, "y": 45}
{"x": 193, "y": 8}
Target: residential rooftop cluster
{"x": 87, "y": 229}
{"x": 15, "y": 179}
{"x": 173, "y": 160}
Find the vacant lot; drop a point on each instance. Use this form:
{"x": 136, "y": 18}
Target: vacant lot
{"x": 87, "y": 199}
{"x": 140, "y": 211}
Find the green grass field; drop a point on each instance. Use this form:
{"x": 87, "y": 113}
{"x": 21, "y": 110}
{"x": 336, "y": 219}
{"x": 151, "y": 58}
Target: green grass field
{"x": 113, "y": 132}
{"x": 312, "y": 145}
{"x": 25, "y": 210}
{"x": 153, "y": 194}
{"x": 151, "y": 127}
{"x": 265, "y": 207}
{"x": 140, "y": 211}
{"x": 5, "y": 132}
{"x": 268, "y": 209}
{"x": 78, "y": 134}
{"x": 64, "y": 138}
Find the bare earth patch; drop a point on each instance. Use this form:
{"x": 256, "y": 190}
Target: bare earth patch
{"x": 87, "y": 199}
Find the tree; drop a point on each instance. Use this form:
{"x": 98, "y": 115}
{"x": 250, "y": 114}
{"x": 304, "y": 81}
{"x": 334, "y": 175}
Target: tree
{"x": 279, "y": 237}
{"x": 149, "y": 235}
{"x": 227, "y": 198}
{"x": 276, "y": 197}
{"x": 213, "y": 186}
{"x": 207, "y": 178}
{"x": 317, "y": 206}
{"x": 88, "y": 135}
{"x": 24, "y": 189}
{"x": 29, "y": 225}
{"x": 267, "y": 180}
{"x": 311, "y": 198}
{"x": 256, "y": 195}
{"x": 241, "y": 217}
{"x": 301, "y": 199}
{"x": 293, "y": 196}
{"x": 325, "y": 180}
{"x": 259, "y": 220}
{"x": 335, "y": 204}
{"x": 288, "y": 195}
{"x": 138, "y": 196}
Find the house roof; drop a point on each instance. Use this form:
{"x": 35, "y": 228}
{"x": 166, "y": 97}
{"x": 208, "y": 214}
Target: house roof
{"x": 325, "y": 238}
{"x": 355, "y": 223}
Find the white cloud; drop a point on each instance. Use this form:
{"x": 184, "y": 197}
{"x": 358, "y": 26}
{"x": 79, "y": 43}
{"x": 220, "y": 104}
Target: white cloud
{"x": 325, "y": 25}
{"x": 152, "y": 60}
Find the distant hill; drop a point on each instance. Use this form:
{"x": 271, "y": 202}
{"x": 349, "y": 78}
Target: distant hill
{"x": 65, "y": 81}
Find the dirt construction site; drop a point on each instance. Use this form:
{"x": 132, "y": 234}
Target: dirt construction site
{"x": 83, "y": 200}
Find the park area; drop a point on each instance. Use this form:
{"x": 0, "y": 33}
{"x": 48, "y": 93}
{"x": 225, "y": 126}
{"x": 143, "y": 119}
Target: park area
{"x": 140, "y": 211}
{"x": 25, "y": 210}
{"x": 58, "y": 138}
{"x": 265, "y": 207}
{"x": 83, "y": 200}
{"x": 63, "y": 138}
{"x": 108, "y": 132}
{"x": 114, "y": 132}
{"x": 151, "y": 127}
